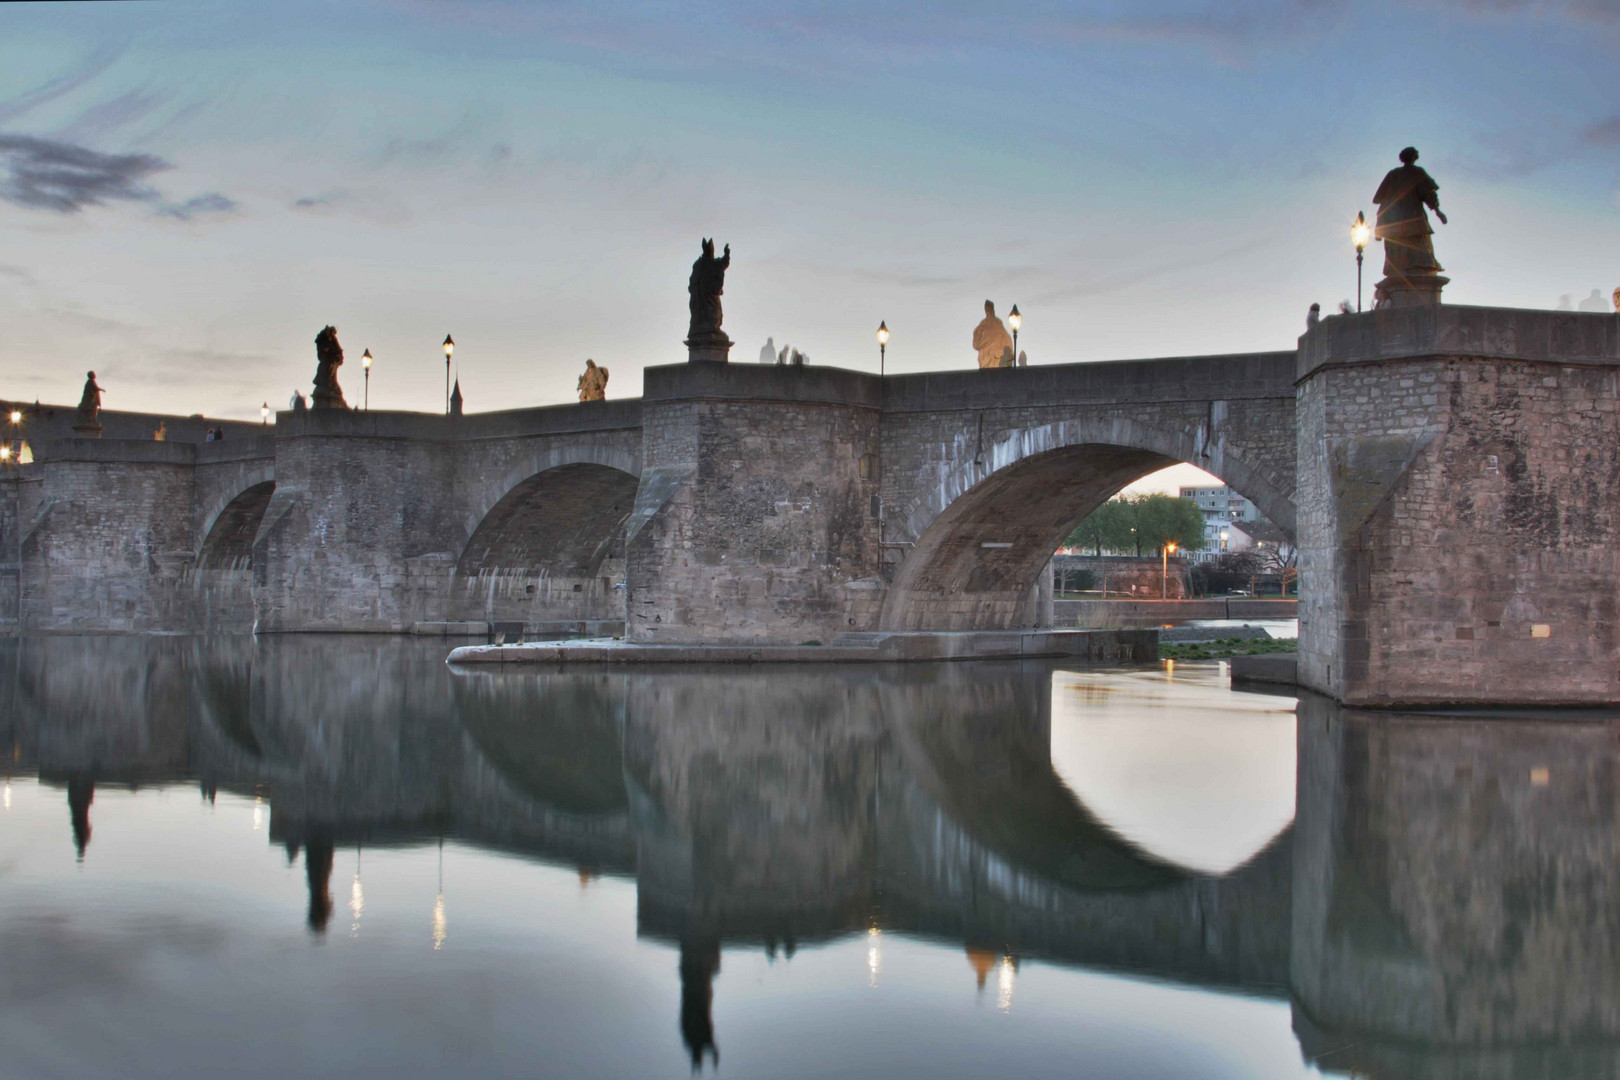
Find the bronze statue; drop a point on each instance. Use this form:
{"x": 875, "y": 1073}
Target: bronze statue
{"x": 593, "y": 384}
{"x": 992, "y": 341}
{"x": 1411, "y": 273}
{"x": 89, "y": 405}
{"x": 329, "y": 357}
{"x": 704, "y": 338}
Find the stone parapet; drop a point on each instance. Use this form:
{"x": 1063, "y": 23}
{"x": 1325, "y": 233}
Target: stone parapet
{"x": 1554, "y": 337}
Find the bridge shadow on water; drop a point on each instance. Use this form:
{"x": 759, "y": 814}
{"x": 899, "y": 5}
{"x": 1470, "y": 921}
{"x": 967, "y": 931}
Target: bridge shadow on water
{"x": 1440, "y": 906}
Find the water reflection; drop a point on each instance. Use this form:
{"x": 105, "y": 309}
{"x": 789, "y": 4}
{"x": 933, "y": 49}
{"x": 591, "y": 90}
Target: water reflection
{"x": 1439, "y": 907}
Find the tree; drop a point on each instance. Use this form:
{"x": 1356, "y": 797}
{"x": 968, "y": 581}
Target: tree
{"x": 1139, "y": 522}
{"x": 1227, "y": 571}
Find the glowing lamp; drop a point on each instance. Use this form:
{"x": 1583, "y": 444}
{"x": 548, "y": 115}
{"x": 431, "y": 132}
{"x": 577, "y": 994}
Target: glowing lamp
{"x": 365, "y": 358}
{"x": 1360, "y": 233}
{"x": 1014, "y": 319}
{"x": 5, "y": 453}
{"x": 449, "y": 346}
{"x": 883, "y": 333}
{"x": 16, "y": 416}
{"x": 264, "y": 413}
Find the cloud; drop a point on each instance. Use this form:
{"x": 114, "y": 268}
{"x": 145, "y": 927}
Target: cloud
{"x": 45, "y": 174}
{"x": 376, "y": 207}
{"x": 212, "y": 203}
{"x": 49, "y": 174}
{"x": 1606, "y": 133}
{"x": 28, "y": 100}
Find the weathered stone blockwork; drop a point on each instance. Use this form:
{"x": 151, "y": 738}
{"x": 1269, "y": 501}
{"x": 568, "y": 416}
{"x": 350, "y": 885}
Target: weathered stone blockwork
{"x": 769, "y": 531}
{"x": 1458, "y": 523}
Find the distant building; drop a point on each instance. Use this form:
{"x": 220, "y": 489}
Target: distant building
{"x": 1221, "y": 506}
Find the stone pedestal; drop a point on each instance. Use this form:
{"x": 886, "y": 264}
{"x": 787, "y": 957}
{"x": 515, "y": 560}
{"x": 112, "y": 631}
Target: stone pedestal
{"x": 1397, "y": 292}
{"x": 88, "y": 431}
{"x": 713, "y": 348}
{"x": 1458, "y": 542}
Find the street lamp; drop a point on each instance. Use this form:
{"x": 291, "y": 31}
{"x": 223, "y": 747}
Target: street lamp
{"x": 1164, "y": 571}
{"x": 1015, "y": 320}
{"x": 264, "y": 414}
{"x": 1360, "y": 234}
{"x": 365, "y": 362}
{"x": 883, "y": 345}
{"x": 449, "y": 347}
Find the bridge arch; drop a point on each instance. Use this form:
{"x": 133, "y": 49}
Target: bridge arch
{"x": 989, "y": 525}
{"x": 551, "y": 548}
{"x": 228, "y": 540}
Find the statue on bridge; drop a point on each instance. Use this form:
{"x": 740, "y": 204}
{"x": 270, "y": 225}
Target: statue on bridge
{"x": 593, "y": 384}
{"x": 1411, "y": 273}
{"x": 992, "y": 341}
{"x": 704, "y": 338}
{"x": 329, "y": 357}
{"x": 89, "y": 415}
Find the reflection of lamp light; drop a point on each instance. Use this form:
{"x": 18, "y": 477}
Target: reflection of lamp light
{"x": 874, "y": 954}
{"x": 449, "y": 347}
{"x": 883, "y": 345}
{"x": 1360, "y": 234}
{"x": 441, "y": 925}
{"x": 357, "y": 897}
{"x": 5, "y": 799}
{"x": 1015, "y": 320}
{"x": 365, "y": 362}
{"x": 5, "y": 452}
{"x": 1164, "y": 571}
{"x": 1004, "y": 983}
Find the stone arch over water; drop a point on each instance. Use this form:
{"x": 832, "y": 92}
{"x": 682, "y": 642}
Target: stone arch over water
{"x": 551, "y": 549}
{"x": 228, "y": 543}
{"x": 988, "y": 527}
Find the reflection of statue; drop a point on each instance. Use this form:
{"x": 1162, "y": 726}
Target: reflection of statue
{"x": 329, "y": 357}
{"x": 1411, "y": 274}
{"x": 704, "y": 338}
{"x": 81, "y": 792}
{"x": 991, "y": 340}
{"x": 318, "y": 874}
{"x": 593, "y": 384}
{"x": 162, "y": 432}
{"x": 89, "y": 420}
{"x": 700, "y": 962}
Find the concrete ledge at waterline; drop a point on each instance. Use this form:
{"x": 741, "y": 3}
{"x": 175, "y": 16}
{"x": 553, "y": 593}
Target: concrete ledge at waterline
{"x": 1276, "y": 668}
{"x": 1112, "y": 646}
{"x": 451, "y": 629}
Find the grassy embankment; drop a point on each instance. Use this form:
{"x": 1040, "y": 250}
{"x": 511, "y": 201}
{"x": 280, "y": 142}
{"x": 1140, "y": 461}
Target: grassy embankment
{"x": 1224, "y": 648}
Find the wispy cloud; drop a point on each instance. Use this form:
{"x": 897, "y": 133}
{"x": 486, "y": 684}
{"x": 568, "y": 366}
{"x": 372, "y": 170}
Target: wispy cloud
{"x": 62, "y": 177}
{"x": 212, "y": 203}
{"x": 1606, "y": 133}
{"x": 28, "y": 100}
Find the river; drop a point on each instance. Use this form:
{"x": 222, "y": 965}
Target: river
{"x": 336, "y": 856}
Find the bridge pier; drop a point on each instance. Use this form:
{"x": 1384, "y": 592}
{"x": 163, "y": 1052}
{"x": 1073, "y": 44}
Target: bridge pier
{"x": 1457, "y": 507}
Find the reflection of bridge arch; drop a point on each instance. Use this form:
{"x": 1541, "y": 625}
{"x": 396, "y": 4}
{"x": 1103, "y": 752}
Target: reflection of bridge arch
{"x": 988, "y": 527}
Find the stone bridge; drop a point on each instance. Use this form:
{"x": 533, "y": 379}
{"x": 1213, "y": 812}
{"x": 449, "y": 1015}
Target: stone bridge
{"x": 772, "y": 505}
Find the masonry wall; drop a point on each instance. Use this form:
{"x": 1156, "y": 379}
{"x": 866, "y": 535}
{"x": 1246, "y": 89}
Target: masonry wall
{"x": 1458, "y": 523}
{"x": 770, "y": 530}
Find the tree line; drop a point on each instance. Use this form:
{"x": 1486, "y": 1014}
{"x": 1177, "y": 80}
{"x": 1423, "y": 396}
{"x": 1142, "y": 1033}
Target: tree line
{"x": 1140, "y": 524}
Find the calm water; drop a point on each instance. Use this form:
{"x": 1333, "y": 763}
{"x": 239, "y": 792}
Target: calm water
{"x": 330, "y": 856}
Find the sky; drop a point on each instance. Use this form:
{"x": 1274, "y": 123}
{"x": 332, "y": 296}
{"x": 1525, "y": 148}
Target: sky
{"x": 190, "y": 192}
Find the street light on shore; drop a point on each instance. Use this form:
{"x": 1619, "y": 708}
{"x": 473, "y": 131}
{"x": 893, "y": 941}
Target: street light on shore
{"x": 449, "y": 347}
{"x": 1360, "y": 235}
{"x": 1015, "y": 320}
{"x": 365, "y": 362}
{"x": 1164, "y": 571}
{"x": 264, "y": 414}
{"x": 883, "y": 345}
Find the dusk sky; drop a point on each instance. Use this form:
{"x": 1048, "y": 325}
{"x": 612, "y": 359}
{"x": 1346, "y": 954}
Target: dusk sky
{"x": 189, "y": 192}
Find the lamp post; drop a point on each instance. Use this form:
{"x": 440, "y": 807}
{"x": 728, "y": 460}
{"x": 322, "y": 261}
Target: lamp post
{"x": 1015, "y": 320}
{"x": 449, "y": 347}
{"x": 883, "y": 345}
{"x": 365, "y": 362}
{"x": 1164, "y": 570}
{"x": 1360, "y": 234}
{"x": 264, "y": 414}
